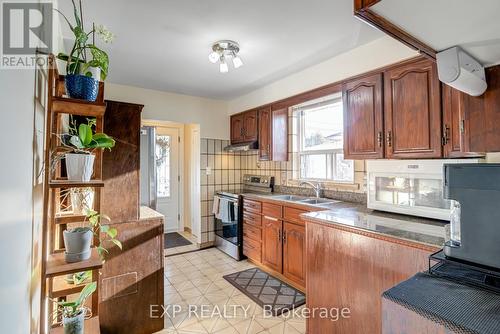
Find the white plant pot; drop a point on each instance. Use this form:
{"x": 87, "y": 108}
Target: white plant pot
{"x": 74, "y": 325}
{"x": 79, "y": 167}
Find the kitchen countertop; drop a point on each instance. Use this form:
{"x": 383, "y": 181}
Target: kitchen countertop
{"x": 358, "y": 217}
{"x": 146, "y": 213}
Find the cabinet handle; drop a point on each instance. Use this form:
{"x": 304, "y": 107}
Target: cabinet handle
{"x": 389, "y": 138}
{"x": 379, "y": 139}
{"x": 446, "y": 137}
{"x": 271, "y": 218}
{"x": 284, "y": 237}
{"x": 462, "y": 126}
{"x": 279, "y": 235}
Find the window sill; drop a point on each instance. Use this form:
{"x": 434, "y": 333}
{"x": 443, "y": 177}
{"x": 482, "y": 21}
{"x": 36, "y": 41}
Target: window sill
{"x": 329, "y": 185}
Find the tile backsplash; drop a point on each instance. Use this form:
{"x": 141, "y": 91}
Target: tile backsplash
{"x": 220, "y": 171}
{"x": 223, "y": 171}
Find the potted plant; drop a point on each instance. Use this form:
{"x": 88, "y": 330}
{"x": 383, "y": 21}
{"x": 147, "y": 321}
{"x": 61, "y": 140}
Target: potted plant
{"x": 77, "y": 241}
{"x": 80, "y": 161}
{"x": 86, "y": 64}
{"x": 73, "y": 313}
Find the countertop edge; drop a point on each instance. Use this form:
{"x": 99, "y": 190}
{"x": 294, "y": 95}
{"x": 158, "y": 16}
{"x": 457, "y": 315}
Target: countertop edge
{"x": 382, "y": 236}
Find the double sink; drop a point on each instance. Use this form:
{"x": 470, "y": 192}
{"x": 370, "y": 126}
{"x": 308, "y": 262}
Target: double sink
{"x": 321, "y": 202}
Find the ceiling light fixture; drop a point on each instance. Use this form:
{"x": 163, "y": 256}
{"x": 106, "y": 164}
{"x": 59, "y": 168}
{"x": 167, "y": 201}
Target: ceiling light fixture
{"x": 222, "y": 51}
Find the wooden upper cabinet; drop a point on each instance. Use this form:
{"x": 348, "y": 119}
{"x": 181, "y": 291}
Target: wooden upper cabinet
{"x": 237, "y": 128}
{"x": 273, "y": 134}
{"x": 265, "y": 134}
{"x": 294, "y": 247}
{"x": 412, "y": 111}
{"x": 272, "y": 247}
{"x": 279, "y": 134}
{"x": 250, "y": 123}
{"x": 453, "y": 122}
{"x": 363, "y": 118}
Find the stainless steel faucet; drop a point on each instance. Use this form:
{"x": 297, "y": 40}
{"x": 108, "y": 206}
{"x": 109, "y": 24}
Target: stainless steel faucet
{"x": 315, "y": 185}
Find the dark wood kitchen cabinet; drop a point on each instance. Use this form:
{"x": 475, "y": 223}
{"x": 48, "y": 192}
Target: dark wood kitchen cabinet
{"x": 363, "y": 118}
{"x": 412, "y": 111}
{"x": 250, "y": 125}
{"x": 265, "y": 134}
{"x": 272, "y": 246}
{"x": 237, "y": 128}
{"x": 294, "y": 245}
{"x": 244, "y": 127}
{"x": 273, "y": 134}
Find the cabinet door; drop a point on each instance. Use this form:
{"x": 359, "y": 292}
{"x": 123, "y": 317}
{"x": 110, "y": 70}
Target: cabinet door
{"x": 453, "y": 122}
{"x": 272, "y": 247}
{"x": 279, "y": 141}
{"x": 294, "y": 245}
{"x": 412, "y": 111}
{"x": 237, "y": 128}
{"x": 250, "y": 123}
{"x": 363, "y": 122}
{"x": 265, "y": 134}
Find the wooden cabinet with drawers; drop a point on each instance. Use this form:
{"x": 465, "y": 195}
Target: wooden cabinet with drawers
{"x": 274, "y": 237}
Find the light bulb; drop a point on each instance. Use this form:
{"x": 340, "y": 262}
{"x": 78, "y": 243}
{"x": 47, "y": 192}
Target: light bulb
{"x": 237, "y": 62}
{"x": 214, "y": 57}
{"x": 223, "y": 68}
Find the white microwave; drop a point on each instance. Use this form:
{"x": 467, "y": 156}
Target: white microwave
{"x": 412, "y": 187}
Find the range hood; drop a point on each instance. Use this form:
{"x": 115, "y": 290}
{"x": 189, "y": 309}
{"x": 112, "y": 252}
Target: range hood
{"x": 252, "y": 145}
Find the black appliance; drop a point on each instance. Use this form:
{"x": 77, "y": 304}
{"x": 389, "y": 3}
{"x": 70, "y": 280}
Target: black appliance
{"x": 229, "y": 227}
{"x": 475, "y": 222}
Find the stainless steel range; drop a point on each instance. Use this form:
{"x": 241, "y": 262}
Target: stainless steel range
{"x": 228, "y": 210}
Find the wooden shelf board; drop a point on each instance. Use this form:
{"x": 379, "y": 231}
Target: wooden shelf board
{"x": 63, "y": 105}
{"x": 67, "y": 218}
{"x": 76, "y": 184}
{"x": 56, "y": 265}
{"x": 61, "y": 288}
{"x": 91, "y": 327}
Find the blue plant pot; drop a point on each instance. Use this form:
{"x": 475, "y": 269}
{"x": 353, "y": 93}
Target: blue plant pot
{"x": 82, "y": 87}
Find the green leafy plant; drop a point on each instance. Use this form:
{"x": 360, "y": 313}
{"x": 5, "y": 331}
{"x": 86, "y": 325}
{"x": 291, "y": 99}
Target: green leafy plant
{"x": 106, "y": 233}
{"x": 74, "y": 308}
{"x": 78, "y": 278}
{"x": 84, "y": 53}
{"x": 82, "y": 139}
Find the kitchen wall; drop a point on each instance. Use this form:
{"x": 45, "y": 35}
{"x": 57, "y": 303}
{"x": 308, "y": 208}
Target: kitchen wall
{"x": 381, "y": 52}
{"x": 225, "y": 175}
{"x": 165, "y": 106}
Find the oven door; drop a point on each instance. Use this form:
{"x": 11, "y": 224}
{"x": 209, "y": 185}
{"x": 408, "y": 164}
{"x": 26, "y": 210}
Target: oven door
{"x": 228, "y": 226}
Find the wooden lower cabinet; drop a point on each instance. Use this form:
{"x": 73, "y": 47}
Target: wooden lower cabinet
{"x": 349, "y": 269}
{"x": 294, "y": 245}
{"x": 272, "y": 246}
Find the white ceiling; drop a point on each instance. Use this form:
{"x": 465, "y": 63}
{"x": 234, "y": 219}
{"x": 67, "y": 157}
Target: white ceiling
{"x": 164, "y": 44}
{"x": 472, "y": 24}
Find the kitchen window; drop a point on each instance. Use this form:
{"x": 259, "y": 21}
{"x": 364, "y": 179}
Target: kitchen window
{"x": 321, "y": 141}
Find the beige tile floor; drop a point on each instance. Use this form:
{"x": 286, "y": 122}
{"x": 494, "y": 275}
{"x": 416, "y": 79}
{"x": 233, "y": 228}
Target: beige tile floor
{"x": 183, "y": 249}
{"x": 195, "y": 279}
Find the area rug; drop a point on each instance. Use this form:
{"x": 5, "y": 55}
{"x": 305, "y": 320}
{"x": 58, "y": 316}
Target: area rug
{"x": 174, "y": 239}
{"x": 267, "y": 290}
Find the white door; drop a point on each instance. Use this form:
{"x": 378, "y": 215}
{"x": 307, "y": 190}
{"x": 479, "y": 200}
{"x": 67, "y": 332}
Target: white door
{"x": 167, "y": 176}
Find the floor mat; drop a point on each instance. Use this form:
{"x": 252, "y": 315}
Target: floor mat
{"x": 174, "y": 239}
{"x": 267, "y": 290}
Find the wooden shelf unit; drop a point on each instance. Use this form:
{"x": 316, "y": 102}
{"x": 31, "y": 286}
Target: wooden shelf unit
{"x": 56, "y": 199}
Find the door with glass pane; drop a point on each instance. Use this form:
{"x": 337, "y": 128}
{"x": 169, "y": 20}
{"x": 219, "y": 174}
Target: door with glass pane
{"x": 167, "y": 176}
